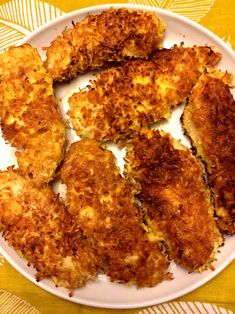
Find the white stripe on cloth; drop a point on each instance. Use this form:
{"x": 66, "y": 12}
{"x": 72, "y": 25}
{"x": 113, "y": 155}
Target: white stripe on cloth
{"x": 185, "y": 308}
{"x": 10, "y": 303}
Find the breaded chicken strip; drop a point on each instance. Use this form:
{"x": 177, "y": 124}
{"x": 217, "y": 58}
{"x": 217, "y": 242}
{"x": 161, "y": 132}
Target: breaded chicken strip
{"x": 38, "y": 226}
{"x": 169, "y": 180}
{"x": 113, "y": 35}
{"x": 140, "y": 92}
{"x": 102, "y": 202}
{"x": 209, "y": 120}
{"x": 29, "y": 112}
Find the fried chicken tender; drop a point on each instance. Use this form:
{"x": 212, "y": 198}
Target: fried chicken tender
{"x": 29, "y": 112}
{"x": 138, "y": 93}
{"x": 113, "y": 35}
{"x": 38, "y": 226}
{"x": 170, "y": 184}
{"x": 102, "y": 202}
{"x": 209, "y": 120}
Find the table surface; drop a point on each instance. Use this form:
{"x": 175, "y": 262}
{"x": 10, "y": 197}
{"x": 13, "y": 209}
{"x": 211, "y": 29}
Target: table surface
{"x": 216, "y": 15}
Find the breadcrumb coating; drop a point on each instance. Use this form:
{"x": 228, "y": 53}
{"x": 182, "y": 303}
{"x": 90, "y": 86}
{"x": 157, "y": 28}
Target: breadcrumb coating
{"x": 170, "y": 184}
{"x": 38, "y": 226}
{"x": 98, "y": 40}
{"x": 29, "y": 112}
{"x": 209, "y": 120}
{"x": 102, "y": 202}
{"x": 138, "y": 93}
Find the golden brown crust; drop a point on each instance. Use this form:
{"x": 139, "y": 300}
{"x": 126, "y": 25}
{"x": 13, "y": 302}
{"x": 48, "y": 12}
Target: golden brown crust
{"x": 29, "y": 112}
{"x": 140, "y": 92}
{"x": 113, "y": 35}
{"x": 170, "y": 184}
{"x": 102, "y": 202}
{"x": 209, "y": 119}
{"x": 38, "y": 226}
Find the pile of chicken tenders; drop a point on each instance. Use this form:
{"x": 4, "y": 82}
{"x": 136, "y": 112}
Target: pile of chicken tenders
{"x": 170, "y": 204}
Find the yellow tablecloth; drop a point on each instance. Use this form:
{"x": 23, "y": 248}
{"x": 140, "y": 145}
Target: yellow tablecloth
{"x": 216, "y": 15}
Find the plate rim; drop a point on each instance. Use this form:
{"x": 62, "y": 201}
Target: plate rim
{"x": 224, "y": 264}
{"x": 102, "y": 7}
{"x": 54, "y": 291}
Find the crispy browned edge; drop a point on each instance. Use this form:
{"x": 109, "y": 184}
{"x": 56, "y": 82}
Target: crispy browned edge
{"x": 170, "y": 184}
{"x": 102, "y": 202}
{"x": 209, "y": 121}
{"x": 98, "y": 40}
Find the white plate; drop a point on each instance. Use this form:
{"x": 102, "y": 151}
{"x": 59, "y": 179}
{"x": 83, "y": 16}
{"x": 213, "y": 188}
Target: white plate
{"x": 102, "y": 293}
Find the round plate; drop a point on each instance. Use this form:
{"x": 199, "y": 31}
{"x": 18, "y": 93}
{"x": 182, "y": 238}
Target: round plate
{"x": 103, "y": 293}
